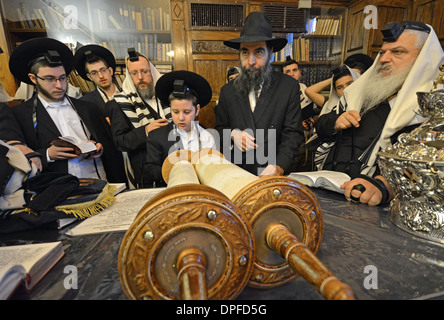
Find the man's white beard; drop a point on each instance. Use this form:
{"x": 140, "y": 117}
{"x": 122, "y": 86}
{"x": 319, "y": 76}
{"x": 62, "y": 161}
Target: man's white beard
{"x": 380, "y": 86}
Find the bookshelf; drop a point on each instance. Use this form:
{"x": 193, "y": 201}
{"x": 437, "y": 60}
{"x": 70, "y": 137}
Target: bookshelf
{"x": 114, "y": 24}
{"x": 319, "y": 49}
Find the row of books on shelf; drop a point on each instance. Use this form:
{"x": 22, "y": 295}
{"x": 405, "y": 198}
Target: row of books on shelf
{"x": 317, "y": 49}
{"x": 312, "y": 74}
{"x": 126, "y": 17}
{"x": 147, "y": 44}
{"x": 311, "y": 50}
{"x": 130, "y": 18}
{"x": 325, "y": 25}
{"x": 39, "y": 18}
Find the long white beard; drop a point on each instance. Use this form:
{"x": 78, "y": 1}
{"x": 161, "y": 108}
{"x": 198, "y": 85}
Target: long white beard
{"x": 380, "y": 86}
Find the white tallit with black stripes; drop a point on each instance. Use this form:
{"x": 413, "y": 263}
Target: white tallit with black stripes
{"x": 404, "y": 111}
{"x": 132, "y": 104}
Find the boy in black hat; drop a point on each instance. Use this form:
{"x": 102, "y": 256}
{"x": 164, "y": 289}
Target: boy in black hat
{"x": 97, "y": 64}
{"x": 186, "y": 93}
{"x": 260, "y": 108}
{"x": 50, "y": 113}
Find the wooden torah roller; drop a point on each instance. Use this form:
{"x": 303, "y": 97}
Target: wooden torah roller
{"x": 287, "y": 224}
{"x": 188, "y": 242}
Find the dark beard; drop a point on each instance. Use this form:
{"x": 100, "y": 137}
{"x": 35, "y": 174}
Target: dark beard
{"x": 252, "y": 79}
{"x": 47, "y": 95}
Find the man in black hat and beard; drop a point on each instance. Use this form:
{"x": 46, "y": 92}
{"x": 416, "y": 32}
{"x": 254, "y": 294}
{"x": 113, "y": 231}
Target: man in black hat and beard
{"x": 50, "y": 113}
{"x": 258, "y": 115}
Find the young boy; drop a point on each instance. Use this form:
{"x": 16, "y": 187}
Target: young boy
{"x": 186, "y": 92}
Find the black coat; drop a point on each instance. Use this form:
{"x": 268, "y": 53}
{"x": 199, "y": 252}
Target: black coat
{"x": 158, "y": 149}
{"x": 9, "y": 129}
{"x": 277, "y": 112}
{"x": 39, "y": 140}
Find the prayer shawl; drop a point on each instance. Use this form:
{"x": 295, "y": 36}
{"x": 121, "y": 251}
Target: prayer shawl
{"x": 404, "y": 111}
{"x": 133, "y": 105}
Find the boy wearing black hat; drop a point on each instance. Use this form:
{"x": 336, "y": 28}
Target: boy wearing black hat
{"x": 186, "y": 93}
{"x": 50, "y": 113}
{"x": 97, "y": 64}
{"x": 260, "y": 108}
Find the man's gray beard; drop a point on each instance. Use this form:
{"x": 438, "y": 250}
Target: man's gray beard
{"x": 147, "y": 94}
{"x": 249, "y": 80}
{"x": 380, "y": 87}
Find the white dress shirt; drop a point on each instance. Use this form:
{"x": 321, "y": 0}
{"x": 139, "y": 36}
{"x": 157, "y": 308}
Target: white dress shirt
{"x": 69, "y": 123}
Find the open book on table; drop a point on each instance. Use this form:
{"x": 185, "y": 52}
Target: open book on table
{"x": 330, "y": 180}
{"x": 80, "y": 147}
{"x": 25, "y": 265}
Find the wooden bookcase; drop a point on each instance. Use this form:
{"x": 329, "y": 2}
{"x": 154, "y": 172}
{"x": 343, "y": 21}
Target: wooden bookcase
{"x": 114, "y": 24}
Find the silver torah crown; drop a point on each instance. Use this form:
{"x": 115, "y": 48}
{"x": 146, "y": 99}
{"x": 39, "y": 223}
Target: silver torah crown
{"x": 414, "y": 166}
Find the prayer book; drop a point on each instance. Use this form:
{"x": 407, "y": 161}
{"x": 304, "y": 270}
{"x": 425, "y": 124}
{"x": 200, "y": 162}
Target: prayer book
{"x": 80, "y": 147}
{"x": 23, "y": 266}
{"x": 325, "y": 179}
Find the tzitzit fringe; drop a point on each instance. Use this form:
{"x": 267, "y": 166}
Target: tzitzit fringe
{"x": 87, "y": 209}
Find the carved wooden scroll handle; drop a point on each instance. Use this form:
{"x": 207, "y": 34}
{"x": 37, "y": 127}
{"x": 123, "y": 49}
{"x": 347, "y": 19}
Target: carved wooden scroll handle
{"x": 302, "y": 260}
{"x": 191, "y": 266}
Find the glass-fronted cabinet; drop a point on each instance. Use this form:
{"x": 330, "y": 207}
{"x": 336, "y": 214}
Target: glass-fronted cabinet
{"x": 114, "y": 24}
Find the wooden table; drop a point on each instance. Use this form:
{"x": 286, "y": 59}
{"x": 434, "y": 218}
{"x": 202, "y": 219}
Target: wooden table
{"x": 360, "y": 246}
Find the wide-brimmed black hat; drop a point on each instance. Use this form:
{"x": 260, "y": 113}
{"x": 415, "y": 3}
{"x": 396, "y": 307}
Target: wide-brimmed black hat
{"x": 30, "y": 51}
{"x": 90, "y": 52}
{"x": 360, "y": 61}
{"x": 257, "y": 28}
{"x": 179, "y": 82}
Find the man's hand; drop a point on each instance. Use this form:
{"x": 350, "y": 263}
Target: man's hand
{"x": 26, "y": 150}
{"x": 155, "y": 125}
{"x": 243, "y": 140}
{"x": 347, "y": 120}
{"x": 372, "y": 196}
{"x": 272, "y": 170}
{"x": 61, "y": 153}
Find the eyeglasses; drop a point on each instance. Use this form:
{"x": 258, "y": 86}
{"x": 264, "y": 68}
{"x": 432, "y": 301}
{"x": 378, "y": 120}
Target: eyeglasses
{"x": 101, "y": 71}
{"x": 142, "y": 72}
{"x": 53, "y": 80}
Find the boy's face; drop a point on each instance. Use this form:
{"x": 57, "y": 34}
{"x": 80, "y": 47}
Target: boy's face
{"x": 100, "y": 74}
{"x": 184, "y": 113}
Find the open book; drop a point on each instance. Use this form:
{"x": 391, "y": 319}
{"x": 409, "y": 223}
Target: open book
{"x": 80, "y": 147}
{"x": 330, "y": 180}
{"x": 26, "y": 265}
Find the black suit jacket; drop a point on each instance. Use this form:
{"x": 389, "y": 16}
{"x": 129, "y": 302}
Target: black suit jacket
{"x": 160, "y": 143}
{"x": 276, "y": 123}
{"x": 96, "y": 98}
{"x": 39, "y": 139}
{"x": 9, "y": 129}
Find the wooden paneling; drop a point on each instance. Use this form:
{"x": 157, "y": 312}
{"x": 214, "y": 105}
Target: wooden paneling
{"x": 362, "y": 40}
{"x": 431, "y": 12}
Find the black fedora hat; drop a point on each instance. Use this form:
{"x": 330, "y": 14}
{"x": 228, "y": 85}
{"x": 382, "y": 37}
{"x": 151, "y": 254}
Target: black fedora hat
{"x": 257, "y": 28}
{"x": 32, "y": 50}
{"x": 359, "y": 60}
{"x": 89, "y": 53}
{"x": 178, "y": 82}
